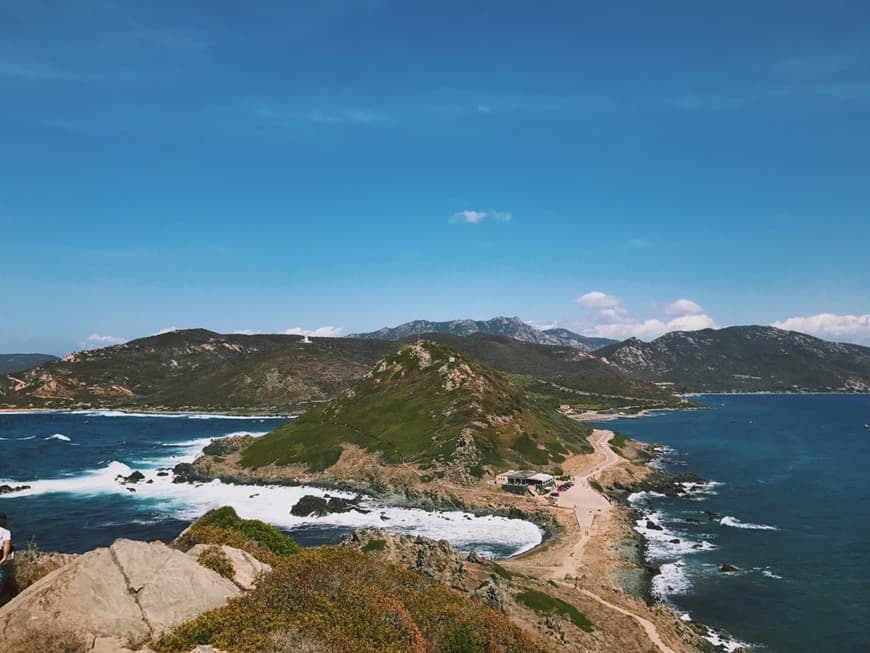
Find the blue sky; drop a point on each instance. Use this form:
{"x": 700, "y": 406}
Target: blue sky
{"x": 340, "y": 166}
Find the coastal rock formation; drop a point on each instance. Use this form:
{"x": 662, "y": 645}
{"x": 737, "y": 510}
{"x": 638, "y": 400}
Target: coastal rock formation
{"x": 9, "y": 489}
{"x": 435, "y": 559}
{"x": 129, "y": 592}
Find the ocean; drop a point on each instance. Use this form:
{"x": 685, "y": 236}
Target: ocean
{"x": 71, "y": 461}
{"x": 788, "y": 506}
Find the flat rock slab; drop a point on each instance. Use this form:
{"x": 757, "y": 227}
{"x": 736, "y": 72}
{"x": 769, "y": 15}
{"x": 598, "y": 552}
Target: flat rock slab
{"x": 129, "y": 592}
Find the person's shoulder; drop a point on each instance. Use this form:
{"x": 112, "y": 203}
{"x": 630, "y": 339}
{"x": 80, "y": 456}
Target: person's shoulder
{"x": 5, "y": 534}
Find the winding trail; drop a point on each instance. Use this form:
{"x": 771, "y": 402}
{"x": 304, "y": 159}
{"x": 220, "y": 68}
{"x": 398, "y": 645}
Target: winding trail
{"x": 586, "y": 503}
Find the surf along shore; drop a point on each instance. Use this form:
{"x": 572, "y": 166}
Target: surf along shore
{"x": 591, "y": 551}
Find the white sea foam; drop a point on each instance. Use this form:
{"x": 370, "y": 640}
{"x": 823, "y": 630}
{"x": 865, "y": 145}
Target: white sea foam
{"x": 671, "y": 580}
{"x": 727, "y": 520}
{"x": 724, "y": 641}
{"x": 667, "y": 543}
{"x": 121, "y": 413}
{"x": 29, "y": 437}
{"x": 487, "y": 535}
{"x": 642, "y": 497}
{"x": 707, "y": 488}
{"x": 59, "y": 436}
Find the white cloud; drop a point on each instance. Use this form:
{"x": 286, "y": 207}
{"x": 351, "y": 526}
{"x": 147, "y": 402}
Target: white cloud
{"x": 320, "y": 332}
{"x": 476, "y": 217}
{"x": 854, "y": 328}
{"x": 171, "y": 329}
{"x": 542, "y": 326}
{"x": 651, "y": 328}
{"x": 599, "y": 300}
{"x": 611, "y": 319}
{"x": 683, "y": 307}
{"x": 97, "y": 341}
{"x": 245, "y": 332}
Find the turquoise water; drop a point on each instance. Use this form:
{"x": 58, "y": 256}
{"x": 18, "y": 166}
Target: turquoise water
{"x": 791, "y": 512}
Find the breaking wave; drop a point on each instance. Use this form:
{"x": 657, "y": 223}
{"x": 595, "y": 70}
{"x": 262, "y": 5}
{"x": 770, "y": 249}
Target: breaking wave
{"x": 727, "y": 520}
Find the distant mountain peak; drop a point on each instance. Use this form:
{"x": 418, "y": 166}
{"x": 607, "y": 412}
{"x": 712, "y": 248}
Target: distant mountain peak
{"x": 512, "y": 327}
{"x": 744, "y": 359}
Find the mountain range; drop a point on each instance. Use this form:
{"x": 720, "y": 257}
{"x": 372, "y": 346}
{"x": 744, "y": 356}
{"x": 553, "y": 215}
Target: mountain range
{"x": 512, "y": 327}
{"x": 12, "y": 363}
{"x": 198, "y": 369}
{"x": 744, "y": 359}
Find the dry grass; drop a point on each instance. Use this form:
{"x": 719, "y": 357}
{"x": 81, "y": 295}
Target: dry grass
{"x": 31, "y": 564}
{"x": 46, "y": 640}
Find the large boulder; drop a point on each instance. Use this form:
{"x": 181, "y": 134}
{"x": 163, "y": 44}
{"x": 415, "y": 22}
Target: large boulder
{"x": 130, "y": 592}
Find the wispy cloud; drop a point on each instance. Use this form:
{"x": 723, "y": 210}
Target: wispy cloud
{"x": 608, "y": 317}
{"x": 319, "y": 332}
{"x": 476, "y": 217}
{"x": 97, "y": 341}
{"x": 850, "y": 328}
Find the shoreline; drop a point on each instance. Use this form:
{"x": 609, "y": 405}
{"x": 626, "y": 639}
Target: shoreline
{"x": 147, "y": 412}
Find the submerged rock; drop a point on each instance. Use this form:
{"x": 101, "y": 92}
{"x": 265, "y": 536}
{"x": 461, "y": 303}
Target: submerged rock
{"x": 135, "y": 477}
{"x": 728, "y": 569}
{"x": 320, "y": 506}
{"x": 9, "y": 489}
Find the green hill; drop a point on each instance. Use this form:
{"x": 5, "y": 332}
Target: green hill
{"x": 745, "y": 359}
{"x": 431, "y": 406}
{"x": 12, "y": 363}
{"x": 198, "y": 369}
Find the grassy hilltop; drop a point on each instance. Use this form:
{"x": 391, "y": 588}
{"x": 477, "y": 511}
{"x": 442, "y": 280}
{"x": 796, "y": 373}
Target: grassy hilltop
{"x": 431, "y": 406}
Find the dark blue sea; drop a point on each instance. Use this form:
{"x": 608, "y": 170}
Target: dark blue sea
{"x": 75, "y": 501}
{"x": 790, "y": 507}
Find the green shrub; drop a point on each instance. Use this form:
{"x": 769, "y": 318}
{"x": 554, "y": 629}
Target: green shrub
{"x": 374, "y": 545}
{"x": 215, "y": 559}
{"x": 336, "y": 599}
{"x": 546, "y": 604}
{"x": 224, "y": 526}
{"x": 595, "y": 485}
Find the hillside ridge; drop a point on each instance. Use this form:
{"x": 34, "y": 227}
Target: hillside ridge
{"x": 744, "y": 359}
{"x": 512, "y": 327}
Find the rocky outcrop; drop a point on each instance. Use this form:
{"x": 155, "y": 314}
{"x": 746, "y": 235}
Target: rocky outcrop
{"x": 435, "y": 559}
{"x": 120, "y": 596}
{"x": 9, "y": 489}
{"x": 227, "y": 445}
{"x": 320, "y": 506}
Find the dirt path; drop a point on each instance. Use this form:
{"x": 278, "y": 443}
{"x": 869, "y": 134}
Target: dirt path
{"x": 566, "y": 555}
{"x": 649, "y": 627}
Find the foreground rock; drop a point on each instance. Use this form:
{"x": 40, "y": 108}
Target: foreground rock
{"x": 117, "y": 597}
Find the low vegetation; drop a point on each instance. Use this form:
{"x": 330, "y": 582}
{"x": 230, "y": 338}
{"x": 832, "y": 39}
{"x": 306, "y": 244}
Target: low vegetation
{"x": 215, "y": 559}
{"x": 336, "y": 599}
{"x": 31, "y": 564}
{"x": 421, "y": 406}
{"x": 48, "y": 640}
{"x": 224, "y": 526}
{"x": 546, "y": 604}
